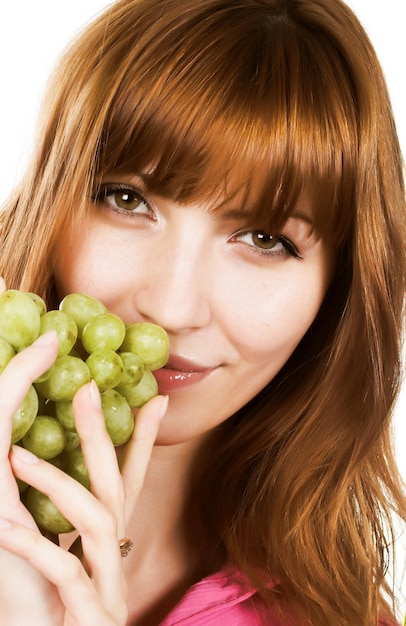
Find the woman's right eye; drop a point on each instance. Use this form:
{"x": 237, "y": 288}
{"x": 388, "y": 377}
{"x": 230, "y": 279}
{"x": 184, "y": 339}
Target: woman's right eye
{"x": 122, "y": 199}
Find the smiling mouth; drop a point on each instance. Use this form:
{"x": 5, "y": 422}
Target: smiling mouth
{"x": 178, "y": 374}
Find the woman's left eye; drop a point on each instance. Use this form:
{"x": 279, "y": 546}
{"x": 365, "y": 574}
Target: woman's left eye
{"x": 122, "y": 199}
{"x": 268, "y": 244}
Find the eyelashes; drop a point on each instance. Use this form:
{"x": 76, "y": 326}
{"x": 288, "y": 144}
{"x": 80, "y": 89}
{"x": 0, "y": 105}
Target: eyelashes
{"x": 126, "y": 200}
{"x": 267, "y": 244}
{"x": 122, "y": 199}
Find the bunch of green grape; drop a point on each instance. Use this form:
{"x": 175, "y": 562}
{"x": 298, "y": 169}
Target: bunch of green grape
{"x": 94, "y": 344}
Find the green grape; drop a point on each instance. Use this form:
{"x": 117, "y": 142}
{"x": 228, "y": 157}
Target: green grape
{"x": 137, "y": 396}
{"x": 72, "y": 440}
{"x": 60, "y": 461}
{"x": 82, "y": 308}
{"x": 93, "y": 343}
{"x": 43, "y": 376}
{"x": 45, "y": 513}
{"x": 76, "y": 467}
{"x": 133, "y": 368}
{"x": 19, "y": 319}
{"x": 118, "y": 417}
{"x": 66, "y": 376}
{"x": 38, "y": 301}
{"x": 64, "y": 413}
{"x": 149, "y": 341}
{"x": 6, "y": 354}
{"x": 104, "y": 331}
{"x": 25, "y": 415}
{"x": 106, "y": 368}
{"x": 46, "y": 438}
{"x": 65, "y": 327}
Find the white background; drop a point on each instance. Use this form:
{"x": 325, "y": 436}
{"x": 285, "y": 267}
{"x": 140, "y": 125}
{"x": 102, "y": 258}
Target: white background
{"x": 34, "y": 33}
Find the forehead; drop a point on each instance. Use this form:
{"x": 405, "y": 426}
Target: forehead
{"x": 250, "y": 130}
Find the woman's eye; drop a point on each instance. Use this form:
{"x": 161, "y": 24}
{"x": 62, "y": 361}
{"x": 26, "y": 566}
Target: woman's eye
{"x": 268, "y": 244}
{"x": 122, "y": 199}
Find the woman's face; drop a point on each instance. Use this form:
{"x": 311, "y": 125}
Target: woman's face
{"x": 234, "y": 303}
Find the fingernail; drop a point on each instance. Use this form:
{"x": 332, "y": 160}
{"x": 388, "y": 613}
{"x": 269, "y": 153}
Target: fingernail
{"x": 5, "y": 524}
{"x": 94, "y": 395}
{"x": 45, "y": 339}
{"x": 25, "y": 455}
{"x": 164, "y": 406}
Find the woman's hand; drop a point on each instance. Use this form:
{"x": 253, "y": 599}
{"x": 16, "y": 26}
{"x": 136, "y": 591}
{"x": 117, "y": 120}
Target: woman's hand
{"x": 61, "y": 588}
{"x": 24, "y": 593}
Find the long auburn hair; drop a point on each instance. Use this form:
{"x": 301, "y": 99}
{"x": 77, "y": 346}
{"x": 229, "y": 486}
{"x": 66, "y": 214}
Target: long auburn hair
{"x": 215, "y": 98}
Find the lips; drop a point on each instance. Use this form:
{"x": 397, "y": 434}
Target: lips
{"x": 179, "y": 373}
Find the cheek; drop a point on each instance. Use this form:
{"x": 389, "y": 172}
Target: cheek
{"x": 75, "y": 268}
{"x": 271, "y": 322}
{"x": 84, "y": 265}
{"x": 72, "y": 269}
{"x": 65, "y": 273}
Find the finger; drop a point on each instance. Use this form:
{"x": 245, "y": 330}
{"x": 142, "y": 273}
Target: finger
{"x": 135, "y": 456}
{"x": 17, "y": 378}
{"x": 26, "y": 597}
{"x": 95, "y": 523}
{"x": 64, "y": 570}
{"x": 15, "y": 381}
{"x": 10, "y": 503}
{"x": 2, "y": 285}
{"x": 105, "y": 478}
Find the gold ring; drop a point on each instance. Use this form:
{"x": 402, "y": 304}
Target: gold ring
{"x": 126, "y": 545}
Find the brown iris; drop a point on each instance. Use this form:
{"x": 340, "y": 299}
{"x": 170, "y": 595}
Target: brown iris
{"x": 264, "y": 240}
{"x": 127, "y": 200}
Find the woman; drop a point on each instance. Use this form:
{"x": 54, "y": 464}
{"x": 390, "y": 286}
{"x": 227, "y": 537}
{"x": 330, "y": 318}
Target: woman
{"x": 231, "y": 172}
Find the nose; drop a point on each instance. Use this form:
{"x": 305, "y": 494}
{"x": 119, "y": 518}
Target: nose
{"x": 173, "y": 291}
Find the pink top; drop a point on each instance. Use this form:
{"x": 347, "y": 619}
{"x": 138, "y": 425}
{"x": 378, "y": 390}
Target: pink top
{"x": 224, "y": 599}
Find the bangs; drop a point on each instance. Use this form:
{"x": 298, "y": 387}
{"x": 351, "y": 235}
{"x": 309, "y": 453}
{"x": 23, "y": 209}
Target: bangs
{"x": 233, "y": 109}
